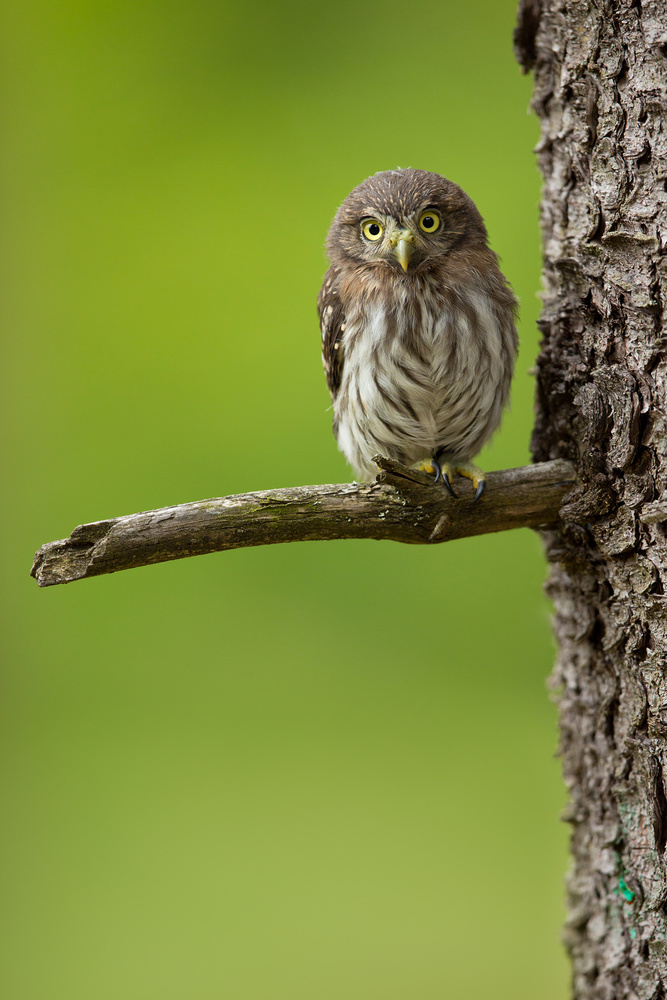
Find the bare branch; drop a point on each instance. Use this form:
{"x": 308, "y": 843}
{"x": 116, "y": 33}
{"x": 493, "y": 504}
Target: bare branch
{"x": 402, "y": 505}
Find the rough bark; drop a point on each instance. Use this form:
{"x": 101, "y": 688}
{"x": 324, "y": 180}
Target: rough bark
{"x": 600, "y": 92}
{"x": 402, "y": 505}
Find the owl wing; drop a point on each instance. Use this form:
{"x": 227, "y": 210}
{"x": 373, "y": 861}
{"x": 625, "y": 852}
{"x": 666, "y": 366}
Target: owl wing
{"x": 332, "y": 324}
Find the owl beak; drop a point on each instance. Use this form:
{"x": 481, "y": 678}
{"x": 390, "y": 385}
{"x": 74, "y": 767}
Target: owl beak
{"x": 403, "y": 245}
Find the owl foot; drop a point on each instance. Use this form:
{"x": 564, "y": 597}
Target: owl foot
{"x": 429, "y": 465}
{"x": 469, "y": 471}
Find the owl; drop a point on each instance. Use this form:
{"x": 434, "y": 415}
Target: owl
{"x": 418, "y": 327}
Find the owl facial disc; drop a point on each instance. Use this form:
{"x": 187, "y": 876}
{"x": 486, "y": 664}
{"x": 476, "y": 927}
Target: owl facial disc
{"x": 403, "y": 244}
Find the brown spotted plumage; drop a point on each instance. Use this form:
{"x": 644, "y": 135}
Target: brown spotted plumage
{"x": 418, "y": 334}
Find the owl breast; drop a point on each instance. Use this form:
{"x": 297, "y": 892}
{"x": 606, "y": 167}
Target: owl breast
{"x": 423, "y": 375}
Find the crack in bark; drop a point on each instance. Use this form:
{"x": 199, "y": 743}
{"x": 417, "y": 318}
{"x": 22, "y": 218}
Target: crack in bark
{"x": 660, "y": 811}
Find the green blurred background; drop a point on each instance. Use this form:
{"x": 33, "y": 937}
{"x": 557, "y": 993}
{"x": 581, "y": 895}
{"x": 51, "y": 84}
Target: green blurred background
{"x": 308, "y": 771}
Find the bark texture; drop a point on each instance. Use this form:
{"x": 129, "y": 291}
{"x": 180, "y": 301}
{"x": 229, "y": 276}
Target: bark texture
{"x": 600, "y": 92}
{"x": 403, "y": 505}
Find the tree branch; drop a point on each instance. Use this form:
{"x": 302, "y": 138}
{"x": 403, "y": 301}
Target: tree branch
{"x": 402, "y": 505}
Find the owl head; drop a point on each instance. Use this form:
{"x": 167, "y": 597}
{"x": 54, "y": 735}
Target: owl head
{"x": 405, "y": 220}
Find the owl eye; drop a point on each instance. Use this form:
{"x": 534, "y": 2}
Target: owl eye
{"x": 429, "y": 221}
{"x": 372, "y": 230}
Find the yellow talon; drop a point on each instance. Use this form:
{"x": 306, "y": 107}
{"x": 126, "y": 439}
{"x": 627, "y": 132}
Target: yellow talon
{"x": 447, "y": 471}
{"x": 469, "y": 471}
{"x": 426, "y": 465}
{"x": 429, "y": 465}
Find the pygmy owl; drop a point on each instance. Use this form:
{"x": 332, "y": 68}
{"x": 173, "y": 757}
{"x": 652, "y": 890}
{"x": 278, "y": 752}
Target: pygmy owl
{"x": 418, "y": 334}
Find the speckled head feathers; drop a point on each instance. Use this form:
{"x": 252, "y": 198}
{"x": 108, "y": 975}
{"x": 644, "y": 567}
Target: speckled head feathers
{"x": 401, "y": 195}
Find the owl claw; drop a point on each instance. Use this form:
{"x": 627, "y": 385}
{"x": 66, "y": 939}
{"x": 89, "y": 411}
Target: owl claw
{"x": 475, "y": 475}
{"x": 469, "y": 471}
{"x": 446, "y": 471}
{"x": 429, "y": 465}
{"x": 447, "y": 480}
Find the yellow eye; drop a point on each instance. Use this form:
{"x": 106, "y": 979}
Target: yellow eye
{"x": 429, "y": 221}
{"x": 372, "y": 230}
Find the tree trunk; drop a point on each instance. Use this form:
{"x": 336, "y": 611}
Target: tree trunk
{"x": 600, "y": 92}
